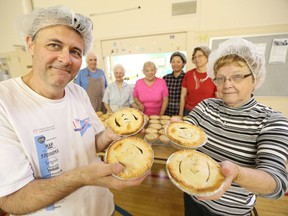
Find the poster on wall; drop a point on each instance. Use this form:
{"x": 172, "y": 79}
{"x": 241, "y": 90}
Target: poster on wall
{"x": 278, "y": 51}
{"x": 4, "y": 70}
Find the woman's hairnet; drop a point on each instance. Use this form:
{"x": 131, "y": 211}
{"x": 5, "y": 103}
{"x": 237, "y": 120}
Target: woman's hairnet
{"x": 58, "y": 15}
{"x": 248, "y": 51}
{"x": 179, "y": 54}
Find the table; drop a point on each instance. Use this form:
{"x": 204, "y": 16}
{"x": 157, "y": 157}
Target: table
{"x": 162, "y": 152}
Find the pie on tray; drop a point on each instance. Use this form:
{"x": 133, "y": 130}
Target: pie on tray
{"x": 194, "y": 172}
{"x": 127, "y": 121}
{"x": 186, "y": 135}
{"x": 134, "y": 154}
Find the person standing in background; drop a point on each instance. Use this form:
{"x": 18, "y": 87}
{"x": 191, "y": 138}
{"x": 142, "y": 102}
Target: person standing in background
{"x": 94, "y": 81}
{"x": 174, "y": 82}
{"x": 118, "y": 94}
{"x": 196, "y": 85}
{"x": 151, "y": 93}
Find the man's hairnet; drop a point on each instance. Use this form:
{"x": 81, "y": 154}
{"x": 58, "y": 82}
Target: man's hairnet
{"x": 41, "y": 18}
{"x": 245, "y": 49}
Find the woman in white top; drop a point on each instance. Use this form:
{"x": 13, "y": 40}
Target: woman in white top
{"x": 119, "y": 93}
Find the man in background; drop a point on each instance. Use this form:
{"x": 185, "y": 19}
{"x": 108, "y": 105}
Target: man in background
{"x": 94, "y": 81}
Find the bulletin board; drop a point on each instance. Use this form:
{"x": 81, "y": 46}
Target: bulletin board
{"x": 275, "y": 48}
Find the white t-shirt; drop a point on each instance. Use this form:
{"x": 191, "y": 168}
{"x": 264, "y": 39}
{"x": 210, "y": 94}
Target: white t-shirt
{"x": 42, "y": 138}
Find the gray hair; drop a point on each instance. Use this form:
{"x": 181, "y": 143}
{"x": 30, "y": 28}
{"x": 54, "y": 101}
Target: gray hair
{"x": 118, "y": 66}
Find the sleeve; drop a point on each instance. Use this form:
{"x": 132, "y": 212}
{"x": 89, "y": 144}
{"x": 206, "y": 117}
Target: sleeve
{"x": 15, "y": 169}
{"x": 106, "y": 95}
{"x": 131, "y": 99}
{"x": 272, "y": 152}
{"x": 105, "y": 80}
{"x": 165, "y": 89}
{"x": 184, "y": 81}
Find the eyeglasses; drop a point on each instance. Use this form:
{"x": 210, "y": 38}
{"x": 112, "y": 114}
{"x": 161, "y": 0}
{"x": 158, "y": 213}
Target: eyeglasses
{"x": 236, "y": 78}
{"x": 198, "y": 56}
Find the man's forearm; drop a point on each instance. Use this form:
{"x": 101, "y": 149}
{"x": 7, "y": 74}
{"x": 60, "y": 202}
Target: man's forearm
{"x": 41, "y": 193}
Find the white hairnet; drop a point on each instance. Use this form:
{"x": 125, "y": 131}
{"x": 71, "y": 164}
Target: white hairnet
{"x": 58, "y": 15}
{"x": 245, "y": 49}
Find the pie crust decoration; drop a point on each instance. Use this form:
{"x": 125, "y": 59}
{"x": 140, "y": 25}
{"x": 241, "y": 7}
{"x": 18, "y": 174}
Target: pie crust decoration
{"x": 194, "y": 172}
{"x": 127, "y": 121}
{"x": 134, "y": 154}
{"x": 186, "y": 135}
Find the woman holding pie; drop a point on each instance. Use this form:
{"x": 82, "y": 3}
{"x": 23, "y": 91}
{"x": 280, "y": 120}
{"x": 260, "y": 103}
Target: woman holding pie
{"x": 248, "y": 139}
{"x": 151, "y": 93}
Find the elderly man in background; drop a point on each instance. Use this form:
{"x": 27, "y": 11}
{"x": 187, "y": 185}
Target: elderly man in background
{"x": 94, "y": 81}
{"x": 49, "y": 132}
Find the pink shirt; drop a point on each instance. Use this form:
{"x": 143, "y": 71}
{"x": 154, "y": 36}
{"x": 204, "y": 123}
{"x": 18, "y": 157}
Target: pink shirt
{"x": 151, "y": 97}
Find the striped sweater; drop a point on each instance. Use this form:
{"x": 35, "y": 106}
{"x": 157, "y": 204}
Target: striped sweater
{"x": 252, "y": 135}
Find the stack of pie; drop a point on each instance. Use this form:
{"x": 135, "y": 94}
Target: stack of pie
{"x": 134, "y": 154}
{"x": 194, "y": 172}
{"x": 127, "y": 121}
{"x": 185, "y": 135}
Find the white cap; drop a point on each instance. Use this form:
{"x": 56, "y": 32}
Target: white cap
{"x": 246, "y": 50}
{"x": 58, "y": 15}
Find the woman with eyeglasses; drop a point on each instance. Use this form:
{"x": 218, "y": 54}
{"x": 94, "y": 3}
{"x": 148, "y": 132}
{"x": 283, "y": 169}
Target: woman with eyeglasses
{"x": 196, "y": 85}
{"x": 248, "y": 139}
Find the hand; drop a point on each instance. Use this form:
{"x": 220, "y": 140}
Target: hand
{"x": 109, "y": 133}
{"x": 100, "y": 174}
{"x": 230, "y": 171}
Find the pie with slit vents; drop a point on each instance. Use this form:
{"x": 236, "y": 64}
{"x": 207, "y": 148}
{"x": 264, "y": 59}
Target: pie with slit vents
{"x": 134, "y": 154}
{"x": 194, "y": 172}
{"x": 127, "y": 121}
{"x": 186, "y": 135}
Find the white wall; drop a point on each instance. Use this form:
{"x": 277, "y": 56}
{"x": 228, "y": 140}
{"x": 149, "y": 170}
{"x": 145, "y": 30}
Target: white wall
{"x": 154, "y": 16}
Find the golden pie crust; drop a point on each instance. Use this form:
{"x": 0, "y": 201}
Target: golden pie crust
{"x": 155, "y": 117}
{"x": 185, "y": 134}
{"x": 151, "y": 137}
{"x": 156, "y": 126}
{"x": 127, "y": 121}
{"x": 165, "y": 117}
{"x": 151, "y": 130}
{"x": 194, "y": 172}
{"x": 134, "y": 154}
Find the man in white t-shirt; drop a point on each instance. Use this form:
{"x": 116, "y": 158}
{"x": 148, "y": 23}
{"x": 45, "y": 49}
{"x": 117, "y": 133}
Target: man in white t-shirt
{"x": 49, "y": 132}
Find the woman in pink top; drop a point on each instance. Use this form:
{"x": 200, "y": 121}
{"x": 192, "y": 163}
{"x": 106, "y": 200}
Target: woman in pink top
{"x": 151, "y": 93}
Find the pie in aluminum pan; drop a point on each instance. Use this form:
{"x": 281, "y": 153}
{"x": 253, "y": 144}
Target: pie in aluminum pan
{"x": 134, "y": 154}
{"x": 127, "y": 121}
{"x": 194, "y": 172}
{"x": 186, "y": 135}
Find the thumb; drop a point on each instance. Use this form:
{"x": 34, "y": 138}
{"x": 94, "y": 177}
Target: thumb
{"x": 117, "y": 168}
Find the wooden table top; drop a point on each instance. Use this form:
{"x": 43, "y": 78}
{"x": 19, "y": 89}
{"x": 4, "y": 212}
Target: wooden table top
{"x": 162, "y": 152}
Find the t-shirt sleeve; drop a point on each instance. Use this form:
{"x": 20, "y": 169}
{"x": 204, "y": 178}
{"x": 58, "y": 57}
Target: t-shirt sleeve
{"x": 15, "y": 168}
{"x": 106, "y": 95}
{"x": 184, "y": 81}
{"x": 165, "y": 89}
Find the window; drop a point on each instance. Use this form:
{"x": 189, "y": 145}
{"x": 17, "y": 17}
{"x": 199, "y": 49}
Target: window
{"x": 133, "y": 65}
